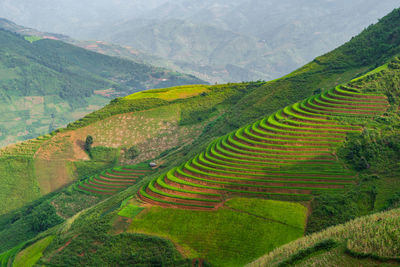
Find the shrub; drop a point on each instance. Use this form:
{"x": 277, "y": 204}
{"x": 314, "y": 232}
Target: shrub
{"x": 104, "y": 154}
{"x": 132, "y": 152}
{"x": 88, "y": 143}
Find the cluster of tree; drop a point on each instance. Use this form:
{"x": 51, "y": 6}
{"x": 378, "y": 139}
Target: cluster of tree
{"x": 371, "y": 149}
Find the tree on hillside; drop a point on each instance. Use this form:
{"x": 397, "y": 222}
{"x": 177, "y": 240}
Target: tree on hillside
{"x": 88, "y": 143}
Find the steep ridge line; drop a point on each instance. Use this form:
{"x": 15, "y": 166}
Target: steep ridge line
{"x": 287, "y": 154}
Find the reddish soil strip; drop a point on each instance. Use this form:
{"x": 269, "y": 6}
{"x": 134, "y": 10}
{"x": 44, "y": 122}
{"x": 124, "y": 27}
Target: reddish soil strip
{"x": 277, "y": 152}
{"x": 291, "y": 141}
{"x": 213, "y": 158}
{"x": 329, "y": 125}
{"x": 168, "y": 205}
{"x": 298, "y": 148}
{"x": 285, "y": 136}
{"x": 308, "y": 115}
{"x": 117, "y": 180}
{"x": 355, "y": 104}
{"x": 191, "y": 187}
{"x": 179, "y": 200}
{"x": 326, "y": 110}
{"x": 184, "y": 194}
{"x": 366, "y": 100}
{"x": 109, "y": 186}
{"x": 288, "y": 132}
{"x": 242, "y": 157}
{"x": 111, "y": 182}
{"x": 122, "y": 176}
{"x": 241, "y": 187}
{"x": 326, "y": 133}
{"x": 95, "y": 191}
{"x": 328, "y": 105}
{"x": 64, "y": 246}
{"x": 358, "y": 96}
{"x": 142, "y": 172}
{"x": 306, "y": 118}
{"x": 251, "y": 175}
{"x": 329, "y": 183}
{"x": 105, "y": 190}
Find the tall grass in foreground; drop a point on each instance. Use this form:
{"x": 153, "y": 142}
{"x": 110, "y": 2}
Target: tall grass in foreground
{"x": 376, "y": 236}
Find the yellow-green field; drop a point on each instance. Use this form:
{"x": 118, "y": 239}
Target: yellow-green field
{"x": 240, "y": 231}
{"x": 172, "y": 93}
{"x": 368, "y": 241}
{"x": 30, "y": 255}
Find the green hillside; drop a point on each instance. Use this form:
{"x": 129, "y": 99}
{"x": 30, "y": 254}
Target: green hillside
{"x": 128, "y": 131}
{"x": 176, "y": 215}
{"x": 241, "y": 169}
{"x": 45, "y": 84}
{"x": 368, "y": 241}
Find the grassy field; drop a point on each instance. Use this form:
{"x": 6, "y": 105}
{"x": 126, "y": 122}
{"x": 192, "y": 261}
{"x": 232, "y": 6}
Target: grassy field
{"x": 373, "y": 240}
{"x": 152, "y": 130}
{"x": 16, "y": 192}
{"x": 130, "y": 211}
{"x": 30, "y": 255}
{"x": 179, "y": 92}
{"x": 215, "y": 235}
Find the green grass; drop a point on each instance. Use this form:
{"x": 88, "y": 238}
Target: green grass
{"x": 366, "y": 241}
{"x": 387, "y": 186}
{"x": 130, "y": 211}
{"x": 104, "y": 154}
{"x": 14, "y": 193}
{"x": 171, "y": 93}
{"x": 30, "y": 255}
{"x": 104, "y": 185}
{"x": 230, "y": 172}
{"x": 7, "y": 257}
{"x": 32, "y": 39}
{"x": 214, "y": 236}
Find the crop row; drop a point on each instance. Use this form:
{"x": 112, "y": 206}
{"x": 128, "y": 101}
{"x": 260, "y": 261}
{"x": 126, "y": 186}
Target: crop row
{"x": 289, "y": 153}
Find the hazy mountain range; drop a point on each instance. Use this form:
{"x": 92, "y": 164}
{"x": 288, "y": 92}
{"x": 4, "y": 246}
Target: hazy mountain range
{"x": 215, "y": 40}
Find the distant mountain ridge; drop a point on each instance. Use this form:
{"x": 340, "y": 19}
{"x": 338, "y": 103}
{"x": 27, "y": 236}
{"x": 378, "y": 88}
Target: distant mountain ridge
{"x": 330, "y": 135}
{"x": 45, "y": 83}
{"x": 218, "y": 41}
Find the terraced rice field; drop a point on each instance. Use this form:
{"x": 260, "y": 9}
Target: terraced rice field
{"x": 112, "y": 181}
{"x": 26, "y": 148}
{"x": 288, "y": 154}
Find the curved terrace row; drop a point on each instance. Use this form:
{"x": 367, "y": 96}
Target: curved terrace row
{"x": 288, "y": 154}
{"x": 112, "y": 181}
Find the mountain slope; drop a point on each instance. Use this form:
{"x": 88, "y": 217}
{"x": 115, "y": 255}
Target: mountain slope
{"x": 197, "y": 238}
{"x": 153, "y": 122}
{"x": 45, "y": 84}
{"x": 373, "y": 153}
{"x": 244, "y": 39}
{"x": 368, "y": 241}
{"x": 288, "y": 154}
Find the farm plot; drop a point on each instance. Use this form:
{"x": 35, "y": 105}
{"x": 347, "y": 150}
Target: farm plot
{"x": 113, "y": 180}
{"x": 289, "y": 154}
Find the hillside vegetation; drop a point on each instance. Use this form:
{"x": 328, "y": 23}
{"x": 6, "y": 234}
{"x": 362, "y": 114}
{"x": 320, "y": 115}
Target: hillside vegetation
{"x": 45, "y": 84}
{"x": 293, "y": 155}
{"x": 151, "y": 127}
{"x": 216, "y": 40}
{"x": 328, "y": 153}
{"x": 269, "y": 224}
{"x": 368, "y": 241}
{"x": 290, "y": 153}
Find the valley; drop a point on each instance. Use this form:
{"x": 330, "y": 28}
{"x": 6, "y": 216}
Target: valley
{"x": 298, "y": 171}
